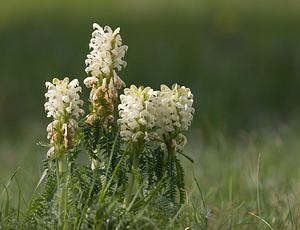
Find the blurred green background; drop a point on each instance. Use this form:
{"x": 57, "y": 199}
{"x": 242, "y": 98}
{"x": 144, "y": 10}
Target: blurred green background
{"x": 241, "y": 60}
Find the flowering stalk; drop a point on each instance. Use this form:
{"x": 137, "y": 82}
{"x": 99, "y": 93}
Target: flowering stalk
{"x": 103, "y": 62}
{"x": 174, "y": 115}
{"x": 137, "y": 148}
{"x": 169, "y": 112}
{"x": 63, "y": 105}
{"x": 137, "y": 118}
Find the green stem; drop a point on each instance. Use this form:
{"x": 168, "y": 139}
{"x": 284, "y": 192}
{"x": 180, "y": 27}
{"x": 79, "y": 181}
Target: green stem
{"x": 60, "y": 165}
{"x": 131, "y": 180}
{"x": 105, "y": 187}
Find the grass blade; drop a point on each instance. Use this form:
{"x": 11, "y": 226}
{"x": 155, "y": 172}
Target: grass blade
{"x": 262, "y": 220}
{"x": 40, "y": 181}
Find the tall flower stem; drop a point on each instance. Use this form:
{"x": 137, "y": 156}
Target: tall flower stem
{"x": 63, "y": 105}
{"x": 60, "y": 165}
{"x": 131, "y": 176}
{"x": 59, "y": 146}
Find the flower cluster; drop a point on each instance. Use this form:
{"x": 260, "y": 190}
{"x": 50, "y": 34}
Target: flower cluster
{"x": 102, "y": 63}
{"x": 137, "y": 113}
{"x": 147, "y": 118}
{"x": 107, "y": 52}
{"x": 170, "y": 111}
{"x": 63, "y": 105}
{"x": 175, "y": 113}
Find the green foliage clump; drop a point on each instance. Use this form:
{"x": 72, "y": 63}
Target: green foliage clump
{"x": 82, "y": 198}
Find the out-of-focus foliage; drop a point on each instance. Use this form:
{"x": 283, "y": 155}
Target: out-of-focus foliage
{"x": 240, "y": 58}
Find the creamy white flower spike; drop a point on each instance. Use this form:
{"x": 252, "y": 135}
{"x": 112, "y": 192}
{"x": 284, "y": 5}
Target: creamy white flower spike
{"x": 107, "y": 54}
{"x": 63, "y": 98}
{"x": 174, "y": 114}
{"x": 103, "y": 62}
{"x": 63, "y": 105}
{"x": 137, "y": 113}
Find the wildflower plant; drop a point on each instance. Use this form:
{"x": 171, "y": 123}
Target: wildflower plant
{"x": 174, "y": 115}
{"x": 137, "y": 119}
{"x": 103, "y": 62}
{"x": 135, "y": 169}
{"x": 63, "y": 105}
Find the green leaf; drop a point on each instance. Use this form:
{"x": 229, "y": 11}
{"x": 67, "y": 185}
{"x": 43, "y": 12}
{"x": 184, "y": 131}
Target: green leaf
{"x": 137, "y": 177}
{"x": 187, "y": 157}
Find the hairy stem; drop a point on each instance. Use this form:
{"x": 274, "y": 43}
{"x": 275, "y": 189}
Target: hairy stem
{"x": 60, "y": 165}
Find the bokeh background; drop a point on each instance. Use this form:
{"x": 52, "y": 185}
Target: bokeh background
{"x": 240, "y": 58}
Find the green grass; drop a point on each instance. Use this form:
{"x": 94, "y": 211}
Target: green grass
{"x": 252, "y": 174}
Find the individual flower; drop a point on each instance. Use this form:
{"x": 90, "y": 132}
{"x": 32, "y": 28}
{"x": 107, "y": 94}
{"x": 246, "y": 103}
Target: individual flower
{"x": 137, "y": 113}
{"x": 64, "y": 106}
{"x": 174, "y": 114}
{"x": 103, "y": 62}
